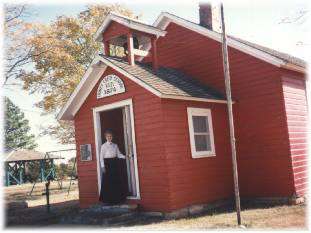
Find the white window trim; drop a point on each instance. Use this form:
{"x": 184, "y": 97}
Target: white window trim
{"x": 200, "y": 112}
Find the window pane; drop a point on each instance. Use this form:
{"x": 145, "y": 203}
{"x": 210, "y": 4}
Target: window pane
{"x": 200, "y": 124}
{"x": 202, "y": 142}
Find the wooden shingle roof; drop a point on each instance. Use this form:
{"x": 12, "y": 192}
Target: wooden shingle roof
{"x": 167, "y": 81}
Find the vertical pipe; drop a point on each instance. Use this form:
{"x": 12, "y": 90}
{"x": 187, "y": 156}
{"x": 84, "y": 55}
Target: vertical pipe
{"x": 230, "y": 113}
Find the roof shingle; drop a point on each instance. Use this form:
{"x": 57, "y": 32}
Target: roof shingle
{"x": 167, "y": 81}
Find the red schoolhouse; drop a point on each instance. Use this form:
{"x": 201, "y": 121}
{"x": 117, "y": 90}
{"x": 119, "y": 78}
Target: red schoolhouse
{"x": 165, "y": 101}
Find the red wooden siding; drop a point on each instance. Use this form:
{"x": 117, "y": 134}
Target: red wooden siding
{"x": 113, "y": 30}
{"x": 262, "y": 145}
{"x": 270, "y": 121}
{"x": 294, "y": 90}
{"x": 149, "y": 142}
{"x": 200, "y": 180}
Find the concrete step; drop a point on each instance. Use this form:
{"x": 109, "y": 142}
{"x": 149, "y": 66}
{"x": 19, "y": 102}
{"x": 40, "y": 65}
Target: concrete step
{"x": 102, "y": 215}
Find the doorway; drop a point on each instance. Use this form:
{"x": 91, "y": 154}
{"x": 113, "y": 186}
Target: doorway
{"x": 118, "y": 117}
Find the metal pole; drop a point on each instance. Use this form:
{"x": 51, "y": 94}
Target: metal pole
{"x": 7, "y": 174}
{"x": 71, "y": 175}
{"x": 230, "y": 113}
{"x": 40, "y": 174}
{"x": 47, "y": 194}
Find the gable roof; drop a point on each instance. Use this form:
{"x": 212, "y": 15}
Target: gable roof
{"x": 284, "y": 56}
{"x": 27, "y": 155}
{"x": 166, "y": 83}
{"x": 128, "y": 22}
{"x": 269, "y": 55}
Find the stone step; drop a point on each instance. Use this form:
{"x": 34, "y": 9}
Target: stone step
{"x": 121, "y": 219}
{"x": 103, "y": 215}
{"x": 111, "y": 208}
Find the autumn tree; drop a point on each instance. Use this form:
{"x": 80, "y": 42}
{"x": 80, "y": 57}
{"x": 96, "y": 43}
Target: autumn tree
{"x": 62, "y": 52}
{"x": 17, "y": 131}
{"x": 17, "y": 52}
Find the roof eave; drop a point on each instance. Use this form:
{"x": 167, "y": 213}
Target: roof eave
{"x": 126, "y": 22}
{"x": 78, "y": 97}
{"x": 293, "y": 67}
{"x": 190, "y": 98}
{"x": 64, "y": 113}
{"x": 166, "y": 18}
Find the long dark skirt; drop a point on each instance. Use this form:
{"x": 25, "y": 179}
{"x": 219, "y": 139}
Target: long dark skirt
{"x": 111, "y": 191}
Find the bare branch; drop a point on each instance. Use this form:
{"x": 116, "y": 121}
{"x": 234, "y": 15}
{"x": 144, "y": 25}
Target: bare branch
{"x": 13, "y": 13}
{"x": 288, "y": 19}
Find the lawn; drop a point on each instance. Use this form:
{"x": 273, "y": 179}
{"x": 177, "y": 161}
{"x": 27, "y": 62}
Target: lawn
{"x": 66, "y": 207}
{"x": 277, "y": 217}
{"x": 21, "y": 193}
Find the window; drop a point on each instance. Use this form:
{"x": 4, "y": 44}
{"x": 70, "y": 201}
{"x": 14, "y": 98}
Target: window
{"x": 201, "y": 132}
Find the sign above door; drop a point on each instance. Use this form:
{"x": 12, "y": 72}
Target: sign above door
{"x": 110, "y": 85}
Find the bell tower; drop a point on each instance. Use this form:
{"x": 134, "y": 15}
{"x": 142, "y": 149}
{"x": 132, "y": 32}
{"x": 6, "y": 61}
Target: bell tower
{"x": 130, "y": 39}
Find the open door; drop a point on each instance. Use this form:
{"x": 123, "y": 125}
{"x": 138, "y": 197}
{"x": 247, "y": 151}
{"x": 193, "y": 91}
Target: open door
{"x": 130, "y": 162}
{"x": 111, "y": 116}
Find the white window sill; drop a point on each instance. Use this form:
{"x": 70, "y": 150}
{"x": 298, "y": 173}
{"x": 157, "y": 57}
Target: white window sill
{"x": 203, "y": 156}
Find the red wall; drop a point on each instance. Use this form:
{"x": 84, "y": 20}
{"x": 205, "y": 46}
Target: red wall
{"x": 261, "y": 132}
{"x": 113, "y": 30}
{"x": 294, "y": 90}
{"x": 149, "y": 141}
{"x": 169, "y": 177}
{"x": 199, "y": 180}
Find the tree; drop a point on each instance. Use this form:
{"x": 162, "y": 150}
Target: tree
{"x": 65, "y": 170}
{"x": 299, "y": 18}
{"x": 17, "y": 130}
{"x": 17, "y": 51}
{"x": 62, "y": 51}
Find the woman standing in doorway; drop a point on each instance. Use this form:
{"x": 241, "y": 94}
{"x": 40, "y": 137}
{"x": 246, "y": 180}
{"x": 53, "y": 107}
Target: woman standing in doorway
{"x": 111, "y": 186}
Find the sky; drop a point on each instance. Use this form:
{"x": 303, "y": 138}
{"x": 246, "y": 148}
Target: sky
{"x": 256, "y": 21}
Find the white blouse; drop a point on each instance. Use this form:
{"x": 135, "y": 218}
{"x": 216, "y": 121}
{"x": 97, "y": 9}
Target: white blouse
{"x": 109, "y": 150}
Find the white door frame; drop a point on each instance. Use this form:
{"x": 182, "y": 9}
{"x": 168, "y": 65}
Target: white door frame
{"x": 98, "y": 138}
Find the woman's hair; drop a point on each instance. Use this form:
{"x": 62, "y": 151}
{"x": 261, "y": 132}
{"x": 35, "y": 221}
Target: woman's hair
{"x": 108, "y": 131}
